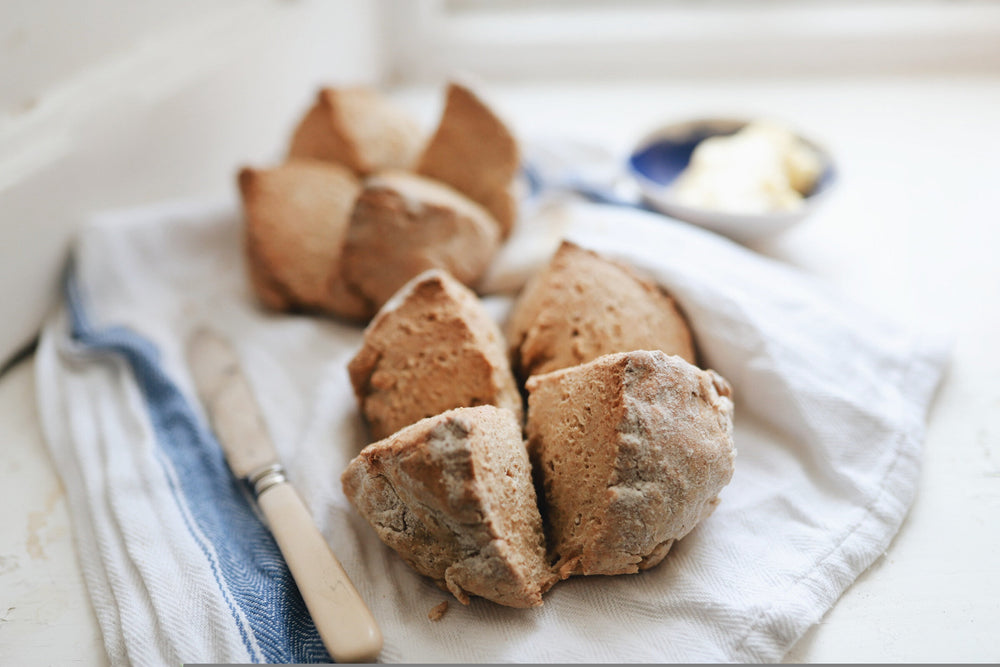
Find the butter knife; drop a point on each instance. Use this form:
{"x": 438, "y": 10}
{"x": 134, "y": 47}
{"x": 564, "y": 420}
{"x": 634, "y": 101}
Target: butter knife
{"x": 345, "y": 624}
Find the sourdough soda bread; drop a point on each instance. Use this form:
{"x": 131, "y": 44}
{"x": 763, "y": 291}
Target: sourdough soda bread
{"x": 631, "y": 450}
{"x": 447, "y": 205}
{"x": 453, "y": 495}
{"x": 629, "y": 446}
{"x": 432, "y": 348}
{"x": 582, "y": 306}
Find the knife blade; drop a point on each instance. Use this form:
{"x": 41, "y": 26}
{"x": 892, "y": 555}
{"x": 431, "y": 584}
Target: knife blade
{"x": 345, "y": 624}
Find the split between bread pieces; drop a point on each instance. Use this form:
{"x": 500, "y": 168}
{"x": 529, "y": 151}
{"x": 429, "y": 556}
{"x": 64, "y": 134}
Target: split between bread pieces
{"x": 296, "y": 219}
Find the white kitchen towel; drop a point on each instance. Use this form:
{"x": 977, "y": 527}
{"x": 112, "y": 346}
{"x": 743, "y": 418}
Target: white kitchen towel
{"x": 831, "y": 402}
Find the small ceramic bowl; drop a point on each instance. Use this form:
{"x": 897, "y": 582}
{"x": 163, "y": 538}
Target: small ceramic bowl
{"x": 660, "y": 157}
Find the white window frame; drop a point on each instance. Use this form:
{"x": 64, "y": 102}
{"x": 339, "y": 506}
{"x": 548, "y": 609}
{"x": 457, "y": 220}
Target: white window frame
{"x": 427, "y": 40}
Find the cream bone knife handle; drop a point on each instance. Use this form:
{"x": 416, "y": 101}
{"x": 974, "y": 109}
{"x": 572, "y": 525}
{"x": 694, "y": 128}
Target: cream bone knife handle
{"x": 344, "y": 622}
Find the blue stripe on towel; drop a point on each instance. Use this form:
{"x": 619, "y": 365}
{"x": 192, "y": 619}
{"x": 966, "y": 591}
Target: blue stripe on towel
{"x": 238, "y": 548}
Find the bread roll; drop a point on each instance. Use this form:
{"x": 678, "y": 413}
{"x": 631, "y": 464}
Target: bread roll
{"x": 452, "y": 494}
{"x": 582, "y": 306}
{"x": 402, "y": 225}
{"x": 296, "y": 218}
{"x": 432, "y": 348}
{"x": 631, "y": 450}
{"x": 358, "y": 128}
{"x": 474, "y": 152}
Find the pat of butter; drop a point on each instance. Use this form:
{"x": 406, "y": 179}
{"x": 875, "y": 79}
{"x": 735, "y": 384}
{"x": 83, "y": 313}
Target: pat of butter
{"x": 760, "y": 169}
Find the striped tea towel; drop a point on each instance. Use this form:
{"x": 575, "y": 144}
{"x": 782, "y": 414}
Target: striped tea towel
{"x": 830, "y": 408}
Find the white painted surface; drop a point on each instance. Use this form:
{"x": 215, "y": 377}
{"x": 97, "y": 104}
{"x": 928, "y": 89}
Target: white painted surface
{"x": 45, "y": 612}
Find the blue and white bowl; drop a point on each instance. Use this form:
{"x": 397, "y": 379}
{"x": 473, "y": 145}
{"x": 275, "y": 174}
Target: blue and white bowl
{"x": 660, "y": 157}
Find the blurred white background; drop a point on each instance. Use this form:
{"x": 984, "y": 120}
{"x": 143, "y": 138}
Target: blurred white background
{"x": 110, "y": 103}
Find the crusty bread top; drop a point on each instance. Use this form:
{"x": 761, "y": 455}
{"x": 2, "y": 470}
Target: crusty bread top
{"x": 296, "y": 220}
{"x": 632, "y": 450}
{"x": 418, "y": 191}
{"x": 474, "y": 152}
{"x": 431, "y": 348}
{"x": 404, "y": 224}
{"x": 582, "y": 306}
{"x": 359, "y": 128}
{"x": 453, "y": 495}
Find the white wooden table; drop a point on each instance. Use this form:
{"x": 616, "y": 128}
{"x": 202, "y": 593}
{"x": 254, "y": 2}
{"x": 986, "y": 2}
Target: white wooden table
{"x": 913, "y": 230}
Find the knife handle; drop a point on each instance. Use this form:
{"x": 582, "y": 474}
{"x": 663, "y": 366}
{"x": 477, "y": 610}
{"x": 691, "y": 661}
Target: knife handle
{"x": 346, "y": 625}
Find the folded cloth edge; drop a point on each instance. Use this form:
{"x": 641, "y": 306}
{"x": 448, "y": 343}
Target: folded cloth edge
{"x": 868, "y": 538}
{"x": 278, "y": 632}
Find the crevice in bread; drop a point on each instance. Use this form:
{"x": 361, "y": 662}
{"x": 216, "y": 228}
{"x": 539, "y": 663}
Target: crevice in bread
{"x": 296, "y": 217}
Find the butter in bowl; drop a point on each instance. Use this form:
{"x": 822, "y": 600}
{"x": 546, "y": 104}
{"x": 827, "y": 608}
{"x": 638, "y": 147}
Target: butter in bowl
{"x": 747, "y": 180}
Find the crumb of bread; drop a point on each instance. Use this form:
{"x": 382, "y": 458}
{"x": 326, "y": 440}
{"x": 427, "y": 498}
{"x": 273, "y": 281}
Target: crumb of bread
{"x": 438, "y": 611}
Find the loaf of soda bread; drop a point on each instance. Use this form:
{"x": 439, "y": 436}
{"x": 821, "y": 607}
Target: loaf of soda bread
{"x": 631, "y": 450}
{"x": 433, "y": 347}
{"x": 582, "y": 306}
{"x": 453, "y": 495}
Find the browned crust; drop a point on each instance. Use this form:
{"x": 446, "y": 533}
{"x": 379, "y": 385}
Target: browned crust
{"x": 296, "y": 216}
{"x": 474, "y": 152}
{"x": 359, "y": 128}
{"x": 632, "y": 450}
{"x": 322, "y": 136}
{"x": 582, "y": 306}
{"x": 430, "y": 493}
{"x": 403, "y": 224}
{"x": 436, "y": 349}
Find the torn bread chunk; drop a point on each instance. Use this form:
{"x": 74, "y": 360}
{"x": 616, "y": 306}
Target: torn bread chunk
{"x": 473, "y": 151}
{"x": 358, "y": 128}
{"x": 402, "y": 225}
{"x": 582, "y": 306}
{"x": 296, "y": 217}
{"x": 632, "y": 450}
{"x": 453, "y": 495}
{"x": 433, "y": 347}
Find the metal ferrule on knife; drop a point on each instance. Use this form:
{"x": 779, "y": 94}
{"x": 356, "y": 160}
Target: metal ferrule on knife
{"x": 263, "y": 479}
